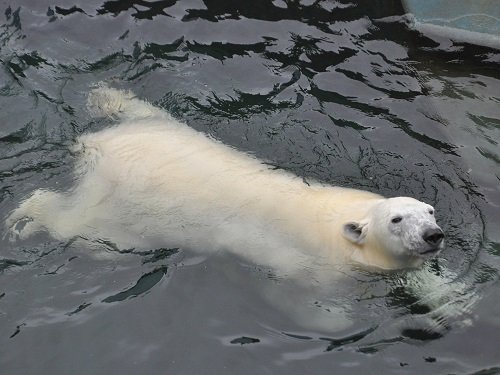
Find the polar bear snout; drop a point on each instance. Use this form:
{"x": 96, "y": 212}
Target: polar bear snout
{"x": 433, "y": 237}
{"x": 434, "y": 240}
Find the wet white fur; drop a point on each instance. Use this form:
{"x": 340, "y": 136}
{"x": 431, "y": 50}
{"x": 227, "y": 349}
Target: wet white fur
{"x": 153, "y": 181}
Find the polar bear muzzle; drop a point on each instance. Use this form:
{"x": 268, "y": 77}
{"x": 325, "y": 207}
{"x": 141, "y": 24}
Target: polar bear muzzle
{"x": 434, "y": 238}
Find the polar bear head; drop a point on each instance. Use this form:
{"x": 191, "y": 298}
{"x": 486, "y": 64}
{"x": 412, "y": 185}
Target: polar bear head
{"x": 401, "y": 229}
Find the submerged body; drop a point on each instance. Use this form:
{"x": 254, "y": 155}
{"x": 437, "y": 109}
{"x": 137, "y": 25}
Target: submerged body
{"x": 153, "y": 181}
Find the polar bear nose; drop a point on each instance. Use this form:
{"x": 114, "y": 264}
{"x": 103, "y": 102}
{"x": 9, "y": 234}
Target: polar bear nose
{"x": 433, "y": 236}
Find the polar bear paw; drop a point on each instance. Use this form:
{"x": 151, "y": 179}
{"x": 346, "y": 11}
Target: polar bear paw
{"x": 27, "y": 219}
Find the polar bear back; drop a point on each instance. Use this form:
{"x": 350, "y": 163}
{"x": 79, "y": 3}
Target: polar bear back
{"x": 168, "y": 168}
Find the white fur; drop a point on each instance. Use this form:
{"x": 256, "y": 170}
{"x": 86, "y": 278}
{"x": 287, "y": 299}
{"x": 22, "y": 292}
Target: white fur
{"x": 153, "y": 181}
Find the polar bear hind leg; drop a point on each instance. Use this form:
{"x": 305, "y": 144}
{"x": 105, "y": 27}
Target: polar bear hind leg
{"x": 104, "y": 101}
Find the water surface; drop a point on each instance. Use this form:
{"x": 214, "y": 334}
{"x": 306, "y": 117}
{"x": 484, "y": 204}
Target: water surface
{"x": 341, "y": 92}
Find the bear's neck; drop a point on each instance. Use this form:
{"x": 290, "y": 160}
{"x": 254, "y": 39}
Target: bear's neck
{"x": 314, "y": 216}
{"x": 328, "y": 209}
{"x": 372, "y": 255}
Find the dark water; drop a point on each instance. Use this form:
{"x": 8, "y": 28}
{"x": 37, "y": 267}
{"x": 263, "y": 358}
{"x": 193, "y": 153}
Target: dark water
{"x": 337, "y": 91}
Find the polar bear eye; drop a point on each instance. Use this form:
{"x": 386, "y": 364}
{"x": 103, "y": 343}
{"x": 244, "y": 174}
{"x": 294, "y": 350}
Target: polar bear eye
{"x": 397, "y": 219}
{"x": 431, "y": 212}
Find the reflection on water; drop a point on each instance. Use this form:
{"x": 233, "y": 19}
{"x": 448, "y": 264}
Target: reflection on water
{"x": 339, "y": 91}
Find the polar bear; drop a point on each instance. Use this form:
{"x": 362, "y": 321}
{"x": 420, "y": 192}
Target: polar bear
{"x": 154, "y": 181}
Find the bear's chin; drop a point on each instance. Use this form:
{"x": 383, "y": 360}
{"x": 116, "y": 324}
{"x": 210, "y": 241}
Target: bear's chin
{"x": 431, "y": 251}
{"x": 412, "y": 260}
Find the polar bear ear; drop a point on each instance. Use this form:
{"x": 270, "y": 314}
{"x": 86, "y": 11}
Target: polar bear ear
{"x": 355, "y": 232}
